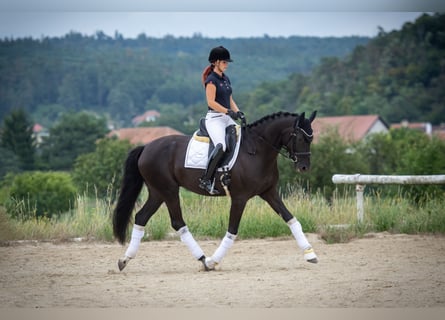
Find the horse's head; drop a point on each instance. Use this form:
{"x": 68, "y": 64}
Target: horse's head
{"x": 299, "y": 142}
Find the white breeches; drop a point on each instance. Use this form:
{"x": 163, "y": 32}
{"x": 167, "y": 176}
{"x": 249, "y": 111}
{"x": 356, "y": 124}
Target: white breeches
{"x": 216, "y": 124}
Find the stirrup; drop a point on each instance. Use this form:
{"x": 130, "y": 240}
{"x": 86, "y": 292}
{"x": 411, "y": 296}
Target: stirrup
{"x": 208, "y": 186}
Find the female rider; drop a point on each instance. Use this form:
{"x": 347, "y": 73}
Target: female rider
{"x": 222, "y": 111}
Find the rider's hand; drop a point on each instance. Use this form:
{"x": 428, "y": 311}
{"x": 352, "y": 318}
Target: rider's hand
{"x": 240, "y": 115}
{"x": 232, "y": 114}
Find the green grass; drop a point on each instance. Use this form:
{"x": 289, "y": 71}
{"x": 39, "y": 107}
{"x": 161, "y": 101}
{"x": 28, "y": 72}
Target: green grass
{"x": 207, "y": 217}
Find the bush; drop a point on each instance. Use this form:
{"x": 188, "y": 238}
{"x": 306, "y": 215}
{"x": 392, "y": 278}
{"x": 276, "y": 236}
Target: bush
{"x": 38, "y": 194}
{"x": 330, "y": 155}
{"x": 99, "y": 172}
{"x": 407, "y": 152}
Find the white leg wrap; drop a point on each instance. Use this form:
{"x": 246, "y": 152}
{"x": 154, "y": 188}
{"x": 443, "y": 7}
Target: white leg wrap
{"x": 187, "y": 238}
{"x": 297, "y": 231}
{"x": 226, "y": 244}
{"x": 136, "y": 237}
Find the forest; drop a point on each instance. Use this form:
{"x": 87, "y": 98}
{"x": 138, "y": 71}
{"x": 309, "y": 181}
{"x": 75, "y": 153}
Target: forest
{"x": 398, "y": 75}
{"x": 122, "y": 78}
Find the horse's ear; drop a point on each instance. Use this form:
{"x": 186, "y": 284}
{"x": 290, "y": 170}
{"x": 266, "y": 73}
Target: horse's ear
{"x": 299, "y": 121}
{"x": 312, "y": 116}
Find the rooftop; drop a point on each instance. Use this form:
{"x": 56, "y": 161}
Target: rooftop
{"x": 143, "y": 135}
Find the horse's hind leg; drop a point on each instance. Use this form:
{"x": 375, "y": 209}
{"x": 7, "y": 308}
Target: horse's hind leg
{"x": 142, "y": 216}
{"x": 178, "y": 223}
{"x": 236, "y": 211}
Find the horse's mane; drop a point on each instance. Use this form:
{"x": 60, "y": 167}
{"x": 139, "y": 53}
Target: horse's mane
{"x": 271, "y": 117}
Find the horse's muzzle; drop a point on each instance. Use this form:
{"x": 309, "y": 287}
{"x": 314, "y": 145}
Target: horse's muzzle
{"x": 302, "y": 166}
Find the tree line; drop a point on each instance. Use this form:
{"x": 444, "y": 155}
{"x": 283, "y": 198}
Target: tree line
{"x": 122, "y": 78}
{"x": 398, "y": 75}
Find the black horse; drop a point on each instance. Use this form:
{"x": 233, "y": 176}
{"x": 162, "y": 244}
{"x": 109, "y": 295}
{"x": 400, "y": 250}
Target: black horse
{"x": 160, "y": 164}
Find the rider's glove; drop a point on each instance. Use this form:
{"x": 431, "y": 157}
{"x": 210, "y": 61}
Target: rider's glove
{"x": 232, "y": 114}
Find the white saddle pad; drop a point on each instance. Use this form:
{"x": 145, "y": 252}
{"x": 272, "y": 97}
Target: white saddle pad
{"x": 197, "y": 153}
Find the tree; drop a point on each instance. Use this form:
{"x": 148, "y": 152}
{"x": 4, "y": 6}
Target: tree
{"x": 99, "y": 172}
{"x": 17, "y": 137}
{"x": 73, "y": 135}
{"x": 331, "y": 155}
{"x": 8, "y": 162}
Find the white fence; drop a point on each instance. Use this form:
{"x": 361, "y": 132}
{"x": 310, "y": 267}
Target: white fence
{"x": 361, "y": 181}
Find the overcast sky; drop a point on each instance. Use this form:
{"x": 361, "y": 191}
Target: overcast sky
{"x": 208, "y": 24}
{"x": 217, "y": 18}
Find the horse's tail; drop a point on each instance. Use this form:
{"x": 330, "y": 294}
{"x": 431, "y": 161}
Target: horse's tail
{"x": 131, "y": 187}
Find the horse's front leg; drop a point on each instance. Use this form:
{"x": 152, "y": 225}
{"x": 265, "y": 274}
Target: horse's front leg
{"x": 236, "y": 211}
{"x": 275, "y": 201}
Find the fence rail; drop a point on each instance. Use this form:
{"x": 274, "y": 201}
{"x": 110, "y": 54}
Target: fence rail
{"x": 361, "y": 180}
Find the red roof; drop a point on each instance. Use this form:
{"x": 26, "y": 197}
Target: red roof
{"x": 425, "y": 127}
{"x": 440, "y": 134}
{"x": 143, "y": 135}
{"x": 37, "y": 128}
{"x": 350, "y": 128}
{"x": 149, "y": 115}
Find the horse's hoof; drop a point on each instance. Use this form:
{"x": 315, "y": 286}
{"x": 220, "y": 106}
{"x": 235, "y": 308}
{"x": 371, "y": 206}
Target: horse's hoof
{"x": 310, "y": 256}
{"x": 205, "y": 263}
{"x": 202, "y": 259}
{"x": 209, "y": 264}
{"x": 122, "y": 263}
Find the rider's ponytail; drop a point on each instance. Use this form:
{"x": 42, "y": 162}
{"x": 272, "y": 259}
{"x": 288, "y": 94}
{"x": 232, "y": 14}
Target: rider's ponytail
{"x": 206, "y": 73}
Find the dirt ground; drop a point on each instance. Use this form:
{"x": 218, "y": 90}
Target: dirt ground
{"x": 380, "y": 270}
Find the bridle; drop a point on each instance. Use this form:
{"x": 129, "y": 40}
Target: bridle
{"x": 291, "y": 154}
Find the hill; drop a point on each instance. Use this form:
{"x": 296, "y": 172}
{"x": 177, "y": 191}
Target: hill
{"x": 399, "y": 75}
{"x": 124, "y": 77}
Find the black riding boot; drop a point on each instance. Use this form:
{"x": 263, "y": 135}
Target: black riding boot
{"x": 206, "y": 181}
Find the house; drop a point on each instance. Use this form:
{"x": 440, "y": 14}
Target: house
{"x": 148, "y": 116}
{"x": 439, "y": 131}
{"x": 425, "y": 127}
{"x": 350, "y": 128}
{"x": 39, "y": 133}
{"x": 143, "y": 135}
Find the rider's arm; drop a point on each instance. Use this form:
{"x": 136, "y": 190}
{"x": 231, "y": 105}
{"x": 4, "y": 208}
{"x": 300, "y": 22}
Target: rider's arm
{"x": 233, "y": 104}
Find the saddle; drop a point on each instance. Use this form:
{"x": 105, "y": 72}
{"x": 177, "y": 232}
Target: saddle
{"x": 200, "y": 146}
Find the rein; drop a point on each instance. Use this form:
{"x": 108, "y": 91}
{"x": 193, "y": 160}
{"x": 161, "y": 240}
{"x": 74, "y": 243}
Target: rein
{"x": 291, "y": 156}
{"x": 278, "y": 150}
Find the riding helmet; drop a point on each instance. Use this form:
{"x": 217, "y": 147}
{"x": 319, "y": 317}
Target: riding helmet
{"x": 219, "y": 53}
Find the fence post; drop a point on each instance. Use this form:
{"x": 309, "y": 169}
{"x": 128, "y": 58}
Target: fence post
{"x": 360, "y": 182}
{"x": 359, "y": 188}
